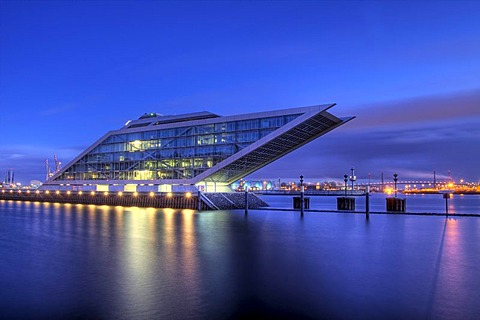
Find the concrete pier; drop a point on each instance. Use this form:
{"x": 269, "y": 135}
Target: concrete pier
{"x": 297, "y": 203}
{"x": 175, "y": 200}
{"x": 346, "y": 203}
{"x": 128, "y": 199}
{"x": 396, "y": 205}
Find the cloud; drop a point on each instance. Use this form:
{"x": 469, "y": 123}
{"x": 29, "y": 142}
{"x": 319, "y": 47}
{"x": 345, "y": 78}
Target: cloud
{"x": 16, "y": 156}
{"x": 57, "y": 110}
{"x": 413, "y": 138}
{"x": 418, "y": 110}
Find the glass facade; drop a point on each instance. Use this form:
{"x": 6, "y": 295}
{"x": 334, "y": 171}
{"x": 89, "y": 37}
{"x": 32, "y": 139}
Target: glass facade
{"x": 175, "y": 153}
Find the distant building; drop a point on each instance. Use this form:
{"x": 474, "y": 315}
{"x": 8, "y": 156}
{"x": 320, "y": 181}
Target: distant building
{"x": 9, "y": 177}
{"x": 189, "y": 152}
{"x": 35, "y": 184}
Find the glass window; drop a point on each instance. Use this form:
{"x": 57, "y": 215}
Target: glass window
{"x": 134, "y": 136}
{"x": 249, "y": 136}
{"x": 247, "y": 124}
{"x": 150, "y": 135}
{"x": 220, "y": 127}
{"x": 224, "y": 138}
{"x": 272, "y": 122}
{"x": 167, "y": 133}
{"x": 225, "y": 150}
{"x": 205, "y": 139}
{"x": 116, "y": 138}
{"x": 290, "y": 117}
{"x": 264, "y": 132}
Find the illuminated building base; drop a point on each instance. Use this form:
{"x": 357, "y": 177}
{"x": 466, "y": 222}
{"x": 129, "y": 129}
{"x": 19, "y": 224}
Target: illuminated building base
{"x": 187, "y": 200}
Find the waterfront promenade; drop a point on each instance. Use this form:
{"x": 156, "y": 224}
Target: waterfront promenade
{"x": 176, "y": 200}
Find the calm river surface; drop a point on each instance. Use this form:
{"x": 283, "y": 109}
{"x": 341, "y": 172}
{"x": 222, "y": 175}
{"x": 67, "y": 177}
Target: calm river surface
{"x": 81, "y": 261}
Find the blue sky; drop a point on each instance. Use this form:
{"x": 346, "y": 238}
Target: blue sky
{"x": 409, "y": 71}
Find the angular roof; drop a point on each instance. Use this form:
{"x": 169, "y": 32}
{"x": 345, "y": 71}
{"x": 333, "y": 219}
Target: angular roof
{"x": 314, "y": 122}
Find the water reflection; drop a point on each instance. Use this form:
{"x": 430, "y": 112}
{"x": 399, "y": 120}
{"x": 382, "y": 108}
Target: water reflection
{"x": 158, "y": 249}
{"x": 81, "y": 261}
{"x": 454, "y": 272}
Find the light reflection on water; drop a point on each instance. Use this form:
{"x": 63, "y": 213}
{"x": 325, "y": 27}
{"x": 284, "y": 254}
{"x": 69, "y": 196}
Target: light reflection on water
{"x": 62, "y": 261}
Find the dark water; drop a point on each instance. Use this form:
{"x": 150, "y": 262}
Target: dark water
{"x": 418, "y": 203}
{"x": 74, "y": 261}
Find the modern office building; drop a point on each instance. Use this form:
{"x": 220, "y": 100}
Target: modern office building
{"x": 189, "y": 152}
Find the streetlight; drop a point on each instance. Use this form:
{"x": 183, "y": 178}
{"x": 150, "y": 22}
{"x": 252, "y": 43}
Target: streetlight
{"x": 302, "y": 191}
{"x": 353, "y": 177}
{"x": 395, "y": 179}
{"x": 345, "y": 178}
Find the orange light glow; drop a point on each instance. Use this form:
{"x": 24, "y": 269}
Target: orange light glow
{"x": 169, "y": 194}
{"x": 105, "y": 193}
{"x": 80, "y": 192}
{"x": 120, "y": 193}
{"x": 135, "y": 194}
{"x": 92, "y": 193}
{"x": 152, "y": 194}
{"x": 57, "y": 192}
{"x": 188, "y": 194}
